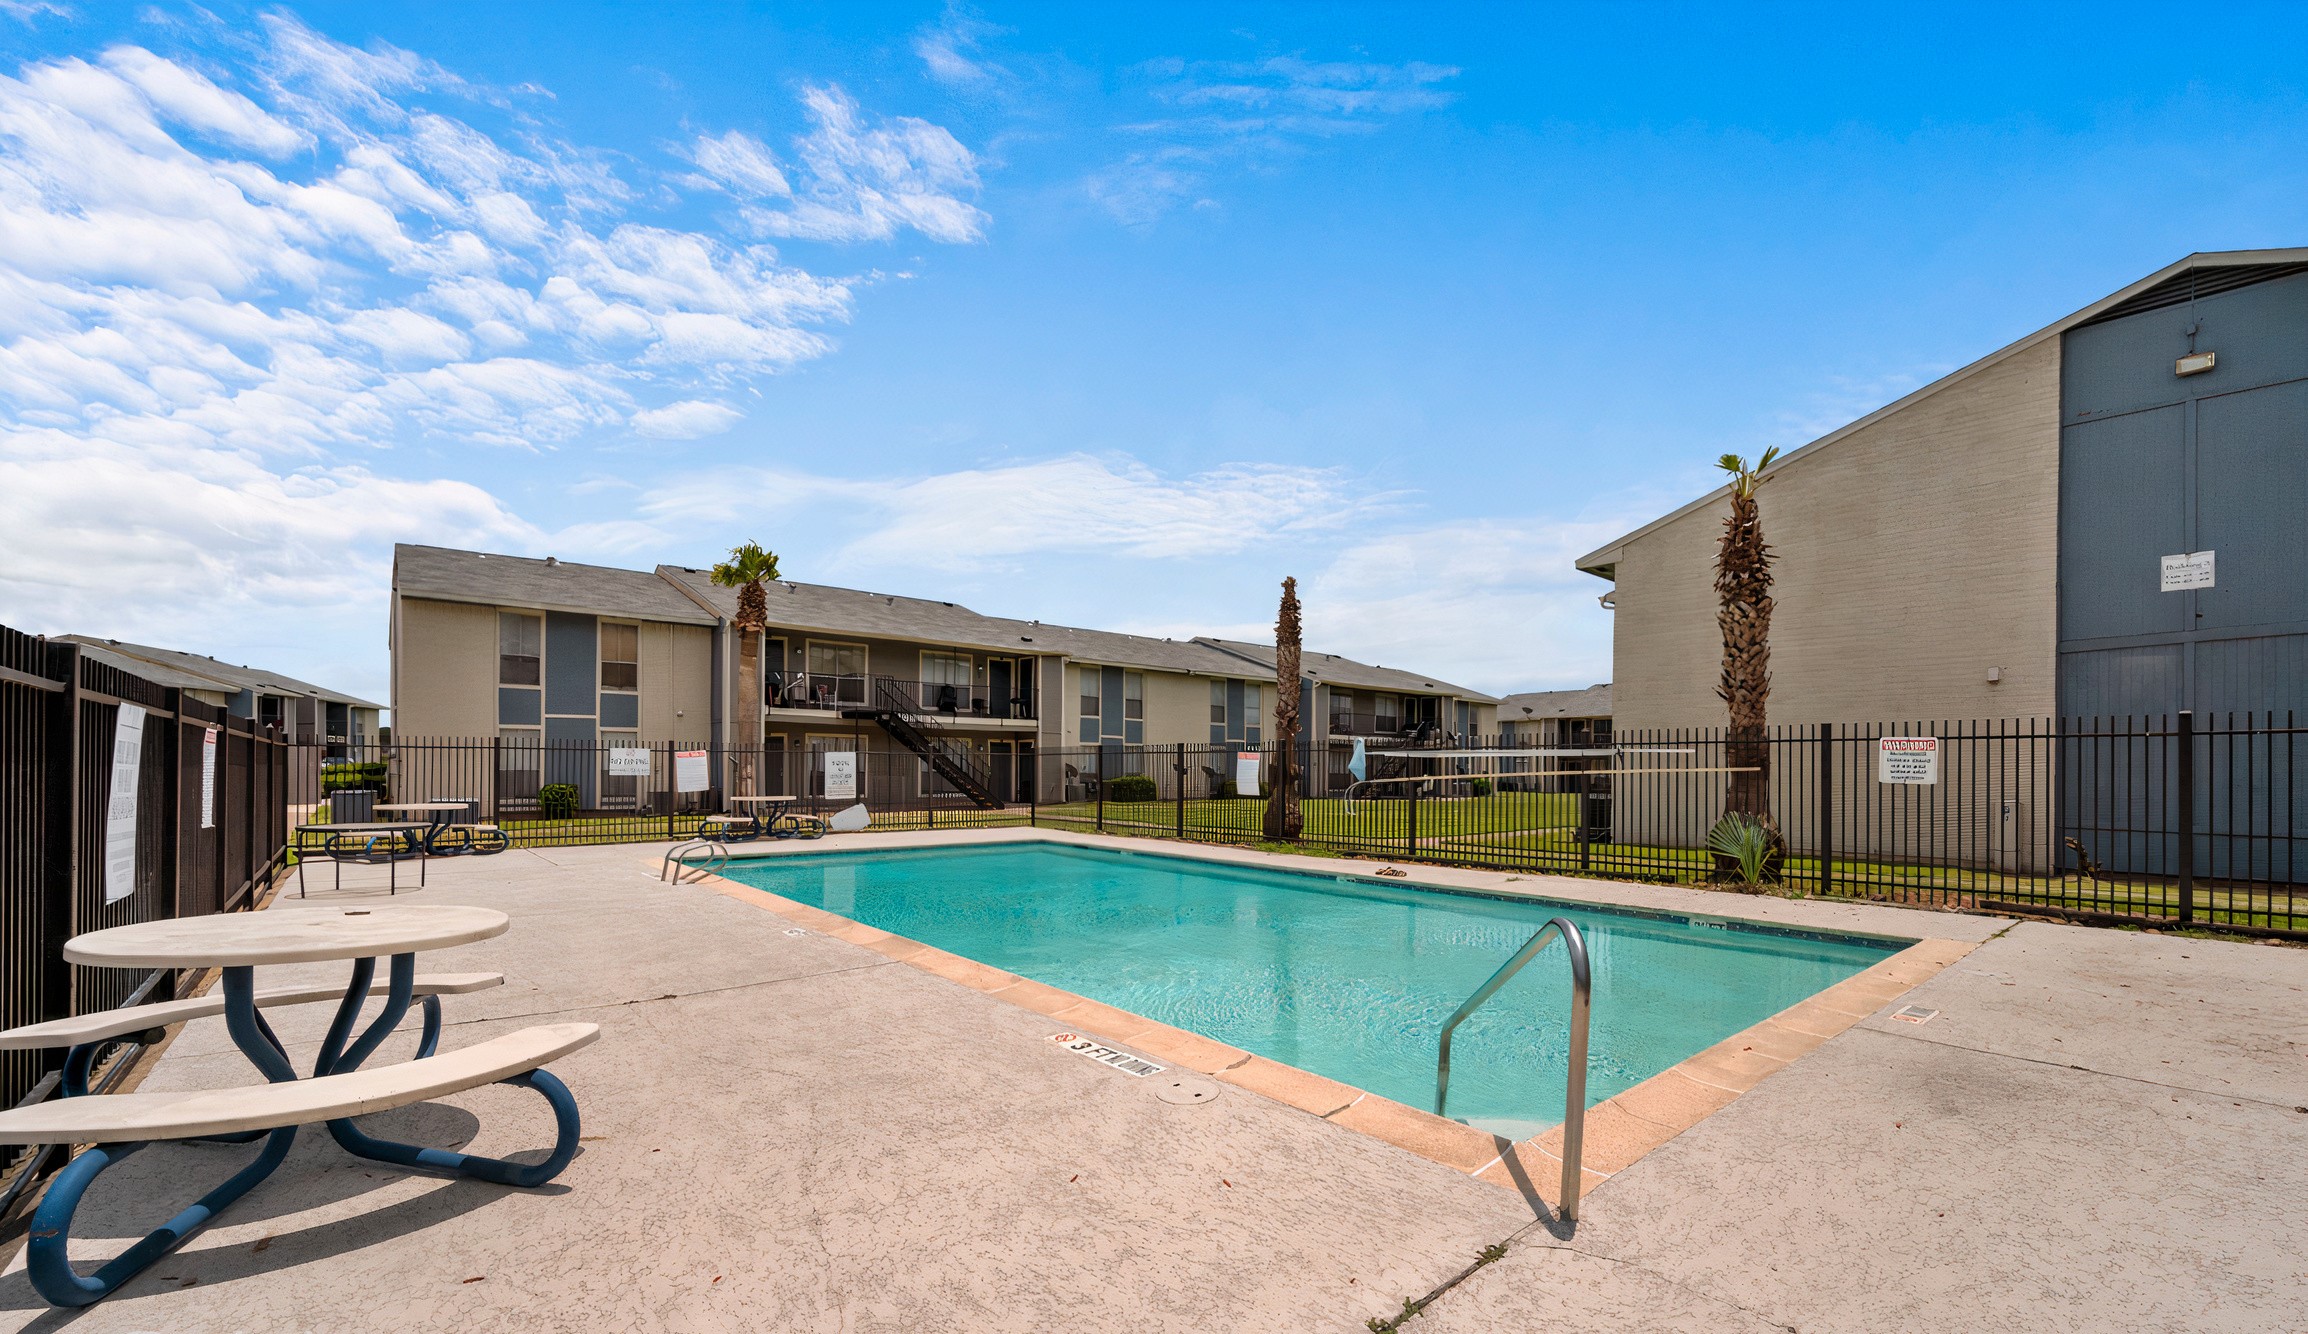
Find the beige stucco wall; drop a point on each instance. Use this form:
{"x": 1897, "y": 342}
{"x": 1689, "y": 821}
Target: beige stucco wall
{"x": 445, "y": 670}
{"x": 1913, "y": 555}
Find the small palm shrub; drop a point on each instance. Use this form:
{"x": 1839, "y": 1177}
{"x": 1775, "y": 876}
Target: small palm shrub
{"x": 557, "y": 801}
{"x": 1747, "y": 842}
{"x": 1131, "y": 787}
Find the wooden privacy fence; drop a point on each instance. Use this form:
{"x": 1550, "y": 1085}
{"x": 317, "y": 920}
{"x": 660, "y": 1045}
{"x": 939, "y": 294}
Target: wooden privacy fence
{"x": 207, "y": 825}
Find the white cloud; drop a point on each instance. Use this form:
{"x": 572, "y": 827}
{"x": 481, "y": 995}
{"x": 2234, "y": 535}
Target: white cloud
{"x": 1248, "y": 115}
{"x": 865, "y": 181}
{"x": 952, "y": 50}
{"x": 970, "y": 519}
{"x": 1495, "y": 604}
{"x": 236, "y": 277}
{"x": 742, "y": 164}
{"x": 686, "y": 421}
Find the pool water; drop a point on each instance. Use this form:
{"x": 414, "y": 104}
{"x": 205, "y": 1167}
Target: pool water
{"x": 1344, "y": 977}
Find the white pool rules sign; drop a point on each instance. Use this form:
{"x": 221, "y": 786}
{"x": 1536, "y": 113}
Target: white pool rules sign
{"x": 1907, "y": 759}
{"x": 120, "y": 810}
{"x": 841, "y": 775}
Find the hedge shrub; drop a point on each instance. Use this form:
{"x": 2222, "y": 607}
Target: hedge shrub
{"x": 557, "y": 801}
{"x": 366, "y": 776}
{"x": 1131, "y": 787}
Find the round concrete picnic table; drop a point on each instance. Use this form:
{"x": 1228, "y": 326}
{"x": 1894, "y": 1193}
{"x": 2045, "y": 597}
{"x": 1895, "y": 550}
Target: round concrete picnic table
{"x": 285, "y": 935}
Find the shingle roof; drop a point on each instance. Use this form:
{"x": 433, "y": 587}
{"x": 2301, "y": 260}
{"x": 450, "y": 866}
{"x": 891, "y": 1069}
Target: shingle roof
{"x": 1331, "y": 669}
{"x": 1593, "y": 702}
{"x": 823, "y": 607}
{"x": 449, "y": 575}
{"x": 93, "y": 648}
{"x": 210, "y": 674}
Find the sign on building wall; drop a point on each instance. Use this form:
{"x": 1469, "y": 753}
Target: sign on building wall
{"x": 840, "y": 775}
{"x": 630, "y": 762}
{"x": 2190, "y": 569}
{"x": 208, "y": 780}
{"x": 1907, "y": 759}
{"x": 120, "y": 812}
{"x": 689, "y": 771}
{"x": 1246, "y": 773}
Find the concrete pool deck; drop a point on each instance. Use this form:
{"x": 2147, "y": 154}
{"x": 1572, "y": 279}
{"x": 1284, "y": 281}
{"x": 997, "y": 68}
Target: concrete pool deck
{"x": 785, "y": 1130}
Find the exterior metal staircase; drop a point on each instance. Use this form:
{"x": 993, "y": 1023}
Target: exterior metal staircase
{"x": 900, "y": 716}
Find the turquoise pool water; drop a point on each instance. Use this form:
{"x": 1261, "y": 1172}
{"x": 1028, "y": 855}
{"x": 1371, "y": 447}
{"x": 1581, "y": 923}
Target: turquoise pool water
{"x": 1347, "y": 978}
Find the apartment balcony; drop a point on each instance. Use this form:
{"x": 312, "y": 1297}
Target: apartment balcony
{"x": 1376, "y": 726}
{"x": 933, "y": 700}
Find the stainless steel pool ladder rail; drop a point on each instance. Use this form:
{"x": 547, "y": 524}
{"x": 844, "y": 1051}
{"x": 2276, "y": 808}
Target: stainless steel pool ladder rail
{"x": 1575, "y": 1079}
{"x": 677, "y": 862}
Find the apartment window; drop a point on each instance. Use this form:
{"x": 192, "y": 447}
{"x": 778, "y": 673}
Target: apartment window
{"x": 837, "y": 672}
{"x": 520, "y": 757}
{"x": 1090, "y": 721}
{"x": 620, "y": 656}
{"x": 1133, "y": 708}
{"x": 946, "y": 669}
{"x": 1250, "y": 699}
{"x": 520, "y": 648}
{"x": 1389, "y": 711}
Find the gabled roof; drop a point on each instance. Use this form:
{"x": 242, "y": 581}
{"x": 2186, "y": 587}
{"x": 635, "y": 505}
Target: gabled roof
{"x": 94, "y": 650}
{"x": 449, "y": 575}
{"x": 2208, "y": 271}
{"x": 1331, "y": 669}
{"x": 210, "y": 674}
{"x": 1531, "y": 705}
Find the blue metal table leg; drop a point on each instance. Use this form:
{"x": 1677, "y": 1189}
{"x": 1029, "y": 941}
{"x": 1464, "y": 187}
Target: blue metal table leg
{"x": 49, "y": 1266}
{"x": 499, "y": 1170}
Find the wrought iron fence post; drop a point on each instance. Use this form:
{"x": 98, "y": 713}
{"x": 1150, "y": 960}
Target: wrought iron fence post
{"x": 497, "y": 780}
{"x": 1101, "y": 753}
{"x": 1826, "y": 808}
{"x": 1178, "y": 780}
{"x": 1410, "y": 846}
{"x": 2186, "y": 736}
{"x": 1585, "y": 817}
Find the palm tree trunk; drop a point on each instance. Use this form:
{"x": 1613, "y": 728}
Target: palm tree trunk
{"x": 1743, "y": 590}
{"x": 748, "y": 712}
{"x": 1283, "y": 818}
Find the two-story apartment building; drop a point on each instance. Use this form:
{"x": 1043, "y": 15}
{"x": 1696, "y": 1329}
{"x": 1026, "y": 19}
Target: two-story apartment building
{"x": 545, "y": 656}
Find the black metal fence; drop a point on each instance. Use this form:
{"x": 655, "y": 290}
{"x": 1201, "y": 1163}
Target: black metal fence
{"x": 2172, "y": 819}
{"x": 207, "y": 820}
{"x": 2084, "y": 818}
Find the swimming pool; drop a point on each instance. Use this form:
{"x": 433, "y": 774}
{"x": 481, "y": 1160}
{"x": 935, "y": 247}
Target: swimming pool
{"x": 1349, "y": 978}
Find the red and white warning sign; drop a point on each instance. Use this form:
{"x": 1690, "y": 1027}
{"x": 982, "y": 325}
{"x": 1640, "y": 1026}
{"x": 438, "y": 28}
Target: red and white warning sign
{"x": 1907, "y": 759}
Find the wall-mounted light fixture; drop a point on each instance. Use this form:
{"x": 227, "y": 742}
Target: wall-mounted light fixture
{"x": 1609, "y": 601}
{"x": 2195, "y": 363}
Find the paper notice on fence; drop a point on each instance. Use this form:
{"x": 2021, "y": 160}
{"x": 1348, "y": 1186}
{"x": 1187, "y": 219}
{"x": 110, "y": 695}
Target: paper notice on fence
{"x": 689, "y": 771}
{"x": 1907, "y": 759}
{"x": 840, "y": 775}
{"x": 1246, "y": 773}
{"x": 628, "y": 761}
{"x": 208, "y": 780}
{"x": 120, "y": 811}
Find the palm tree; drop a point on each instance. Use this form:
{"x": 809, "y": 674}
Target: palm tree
{"x": 1743, "y": 592}
{"x": 1283, "y": 820}
{"x": 746, "y": 570}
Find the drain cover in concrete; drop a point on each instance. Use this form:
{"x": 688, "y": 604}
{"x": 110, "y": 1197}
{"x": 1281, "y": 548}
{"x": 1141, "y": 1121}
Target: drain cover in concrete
{"x": 1186, "y": 1090}
{"x": 1915, "y": 1014}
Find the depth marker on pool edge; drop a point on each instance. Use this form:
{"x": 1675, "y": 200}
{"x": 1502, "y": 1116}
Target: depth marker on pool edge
{"x": 1123, "y": 1061}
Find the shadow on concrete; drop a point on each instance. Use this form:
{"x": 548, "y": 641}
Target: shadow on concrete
{"x": 149, "y": 1188}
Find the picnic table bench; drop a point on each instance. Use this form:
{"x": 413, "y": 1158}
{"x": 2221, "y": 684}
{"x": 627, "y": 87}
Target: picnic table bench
{"x": 447, "y": 837}
{"x": 339, "y": 1090}
{"x": 359, "y": 841}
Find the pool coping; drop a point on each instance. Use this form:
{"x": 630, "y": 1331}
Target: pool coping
{"x": 1620, "y": 1130}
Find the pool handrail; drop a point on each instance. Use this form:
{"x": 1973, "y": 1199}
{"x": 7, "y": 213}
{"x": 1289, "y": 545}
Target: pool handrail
{"x": 1575, "y": 1079}
{"x": 678, "y": 864}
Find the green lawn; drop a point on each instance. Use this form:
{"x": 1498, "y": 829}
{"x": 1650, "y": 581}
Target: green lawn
{"x": 1331, "y": 818}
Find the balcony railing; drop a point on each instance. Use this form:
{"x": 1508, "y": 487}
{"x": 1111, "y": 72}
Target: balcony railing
{"x": 931, "y": 699}
{"x": 1343, "y": 723}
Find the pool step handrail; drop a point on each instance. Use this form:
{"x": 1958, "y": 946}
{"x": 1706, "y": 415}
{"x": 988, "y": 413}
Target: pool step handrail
{"x": 677, "y": 863}
{"x": 1575, "y": 1079}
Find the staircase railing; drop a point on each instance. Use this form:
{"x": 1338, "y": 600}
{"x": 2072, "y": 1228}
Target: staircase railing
{"x": 1575, "y": 1078}
{"x": 956, "y": 764}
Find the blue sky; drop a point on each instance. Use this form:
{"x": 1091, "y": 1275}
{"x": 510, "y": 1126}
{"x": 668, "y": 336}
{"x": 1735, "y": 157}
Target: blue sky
{"x": 1097, "y": 318}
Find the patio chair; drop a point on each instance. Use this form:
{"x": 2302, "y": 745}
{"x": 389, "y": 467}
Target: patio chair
{"x": 948, "y": 701}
